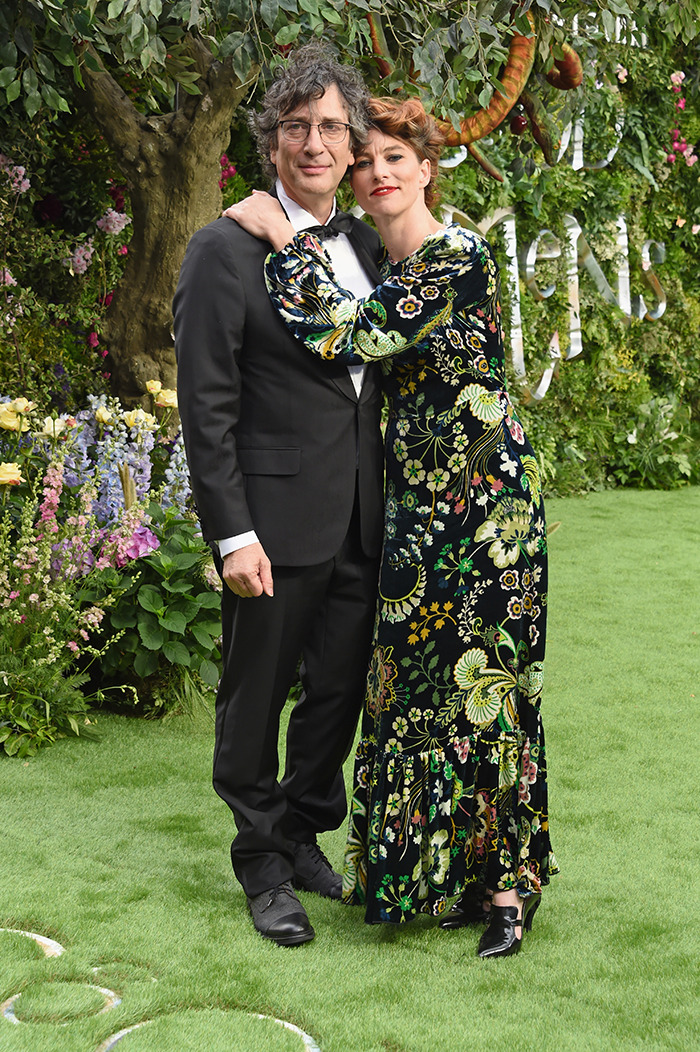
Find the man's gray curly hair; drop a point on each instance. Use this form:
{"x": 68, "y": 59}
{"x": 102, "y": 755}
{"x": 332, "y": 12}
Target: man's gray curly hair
{"x": 309, "y": 71}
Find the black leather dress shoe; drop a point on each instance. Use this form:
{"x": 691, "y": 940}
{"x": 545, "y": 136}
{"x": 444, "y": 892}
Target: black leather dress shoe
{"x": 278, "y": 915}
{"x": 313, "y": 872}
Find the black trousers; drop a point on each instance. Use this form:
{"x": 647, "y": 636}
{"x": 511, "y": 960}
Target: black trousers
{"x": 325, "y": 615}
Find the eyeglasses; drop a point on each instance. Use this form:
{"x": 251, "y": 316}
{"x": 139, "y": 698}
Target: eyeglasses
{"x": 331, "y": 132}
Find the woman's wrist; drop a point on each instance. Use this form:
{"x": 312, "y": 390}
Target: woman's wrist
{"x": 281, "y": 234}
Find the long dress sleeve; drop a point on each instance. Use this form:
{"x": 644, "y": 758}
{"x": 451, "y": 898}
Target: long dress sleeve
{"x": 453, "y": 271}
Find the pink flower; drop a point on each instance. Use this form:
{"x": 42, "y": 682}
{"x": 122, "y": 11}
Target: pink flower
{"x": 72, "y": 645}
{"x": 621, "y": 74}
{"x": 141, "y": 543}
{"x": 677, "y": 78}
{"x": 680, "y": 105}
{"x": 113, "y": 222}
{"x": 13, "y": 595}
{"x": 81, "y": 258}
{"x": 122, "y": 250}
{"x": 53, "y": 487}
{"x": 6, "y": 278}
{"x": 695, "y": 228}
{"x": 16, "y": 174}
{"x": 93, "y": 339}
{"x": 671, "y": 158}
{"x": 690, "y": 158}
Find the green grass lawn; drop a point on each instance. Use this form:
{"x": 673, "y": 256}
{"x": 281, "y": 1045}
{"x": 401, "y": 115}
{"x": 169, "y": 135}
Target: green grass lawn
{"x": 118, "y": 849}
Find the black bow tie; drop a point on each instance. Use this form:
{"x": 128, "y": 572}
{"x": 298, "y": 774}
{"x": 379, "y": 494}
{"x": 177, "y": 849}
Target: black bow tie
{"x": 341, "y": 223}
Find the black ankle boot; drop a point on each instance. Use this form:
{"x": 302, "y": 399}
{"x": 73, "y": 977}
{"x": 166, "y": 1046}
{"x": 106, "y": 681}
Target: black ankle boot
{"x": 468, "y": 909}
{"x": 503, "y": 936}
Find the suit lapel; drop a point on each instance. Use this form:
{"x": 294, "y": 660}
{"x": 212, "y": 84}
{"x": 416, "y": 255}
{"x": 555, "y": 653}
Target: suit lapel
{"x": 367, "y": 258}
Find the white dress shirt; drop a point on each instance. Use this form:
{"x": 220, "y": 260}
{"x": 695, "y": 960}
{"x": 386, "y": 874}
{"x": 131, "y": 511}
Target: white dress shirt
{"x": 349, "y": 275}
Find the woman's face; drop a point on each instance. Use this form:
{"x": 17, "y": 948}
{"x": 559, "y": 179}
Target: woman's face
{"x": 387, "y": 177}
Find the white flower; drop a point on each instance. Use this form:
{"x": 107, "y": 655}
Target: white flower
{"x": 413, "y": 471}
{"x": 508, "y": 464}
{"x": 53, "y": 427}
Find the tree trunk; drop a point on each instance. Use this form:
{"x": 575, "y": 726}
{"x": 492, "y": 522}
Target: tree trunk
{"x": 172, "y": 167}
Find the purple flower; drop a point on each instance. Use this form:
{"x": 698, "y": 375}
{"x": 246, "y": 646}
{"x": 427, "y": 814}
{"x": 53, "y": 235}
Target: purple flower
{"x": 142, "y": 542}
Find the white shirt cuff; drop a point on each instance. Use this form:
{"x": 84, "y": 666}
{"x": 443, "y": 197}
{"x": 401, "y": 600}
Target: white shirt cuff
{"x": 232, "y": 544}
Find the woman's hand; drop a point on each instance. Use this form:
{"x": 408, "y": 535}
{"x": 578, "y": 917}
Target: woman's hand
{"x": 263, "y": 216}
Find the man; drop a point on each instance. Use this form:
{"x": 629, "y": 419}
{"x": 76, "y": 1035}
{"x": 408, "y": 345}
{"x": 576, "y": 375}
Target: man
{"x": 286, "y": 464}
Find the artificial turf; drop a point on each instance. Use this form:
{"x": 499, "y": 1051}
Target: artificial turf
{"x": 118, "y": 849}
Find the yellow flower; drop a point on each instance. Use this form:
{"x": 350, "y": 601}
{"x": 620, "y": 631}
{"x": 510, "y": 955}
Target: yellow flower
{"x": 22, "y": 405}
{"x": 10, "y": 475}
{"x": 167, "y": 398}
{"x": 102, "y": 415}
{"x": 153, "y": 386}
{"x": 52, "y": 427}
{"x": 139, "y": 418}
{"x": 10, "y": 420}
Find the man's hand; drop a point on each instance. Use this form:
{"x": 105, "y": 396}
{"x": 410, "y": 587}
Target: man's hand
{"x": 248, "y": 571}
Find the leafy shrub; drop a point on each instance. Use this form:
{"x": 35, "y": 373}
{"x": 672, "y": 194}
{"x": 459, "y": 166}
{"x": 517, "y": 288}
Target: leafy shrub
{"x": 166, "y": 617}
{"x": 651, "y": 452}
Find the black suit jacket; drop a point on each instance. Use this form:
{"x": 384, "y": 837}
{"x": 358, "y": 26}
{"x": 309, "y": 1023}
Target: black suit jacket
{"x": 274, "y": 436}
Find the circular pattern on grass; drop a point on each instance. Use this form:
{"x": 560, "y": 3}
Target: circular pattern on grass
{"x": 58, "y": 1003}
{"x": 50, "y": 947}
{"x": 214, "y": 1029}
{"x": 234, "y": 1030}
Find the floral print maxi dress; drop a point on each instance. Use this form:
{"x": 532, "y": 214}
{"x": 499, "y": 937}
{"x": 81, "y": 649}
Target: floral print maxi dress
{"x": 450, "y": 773}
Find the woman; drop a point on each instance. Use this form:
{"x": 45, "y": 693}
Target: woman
{"x": 450, "y": 791}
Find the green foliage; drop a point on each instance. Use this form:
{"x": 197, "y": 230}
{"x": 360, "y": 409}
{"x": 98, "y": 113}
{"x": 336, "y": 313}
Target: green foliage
{"x": 59, "y": 267}
{"x": 149, "y": 46}
{"x": 652, "y": 452}
{"x": 630, "y": 367}
{"x": 166, "y": 616}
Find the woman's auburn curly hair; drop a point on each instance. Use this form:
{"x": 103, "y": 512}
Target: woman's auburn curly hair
{"x": 408, "y": 120}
